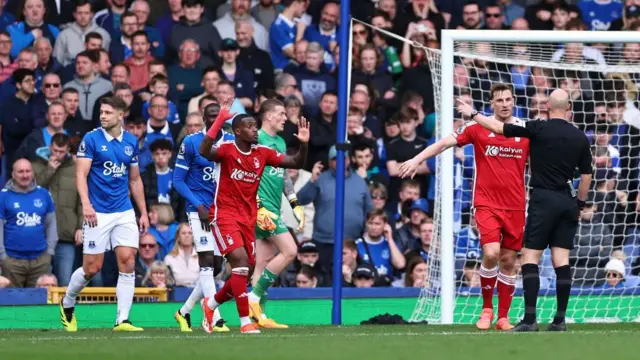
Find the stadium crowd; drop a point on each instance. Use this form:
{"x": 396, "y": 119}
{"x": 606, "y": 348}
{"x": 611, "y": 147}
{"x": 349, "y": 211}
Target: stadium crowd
{"x": 169, "y": 59}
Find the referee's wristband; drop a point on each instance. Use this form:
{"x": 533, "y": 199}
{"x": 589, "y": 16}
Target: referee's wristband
{"x": 581, "y": 204}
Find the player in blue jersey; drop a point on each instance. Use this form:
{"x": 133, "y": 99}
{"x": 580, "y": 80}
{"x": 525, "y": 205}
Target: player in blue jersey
{"x": 107, "y": 169}
{"x": 194, "y": 178}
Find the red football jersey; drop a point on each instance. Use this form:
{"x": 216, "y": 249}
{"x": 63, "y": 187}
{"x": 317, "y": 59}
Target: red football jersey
{"x": 238, "y": 181}
{"x": 500, "y": 163}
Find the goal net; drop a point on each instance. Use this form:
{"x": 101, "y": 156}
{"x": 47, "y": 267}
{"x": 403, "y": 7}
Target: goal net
{"x": 602, "y": 81}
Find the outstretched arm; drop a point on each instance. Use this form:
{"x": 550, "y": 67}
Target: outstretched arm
{"x": 411, "y": 167}
{"x": 486, "y": 122}
{"x": 297, "y": 161}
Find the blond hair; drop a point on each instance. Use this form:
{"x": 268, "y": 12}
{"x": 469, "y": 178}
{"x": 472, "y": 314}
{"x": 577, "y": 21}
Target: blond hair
{"x": 159, "y": 266}
{"x": 176, "y": 246}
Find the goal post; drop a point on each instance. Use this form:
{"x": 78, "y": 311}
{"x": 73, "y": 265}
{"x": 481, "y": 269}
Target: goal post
{"x": 440, "y": 296}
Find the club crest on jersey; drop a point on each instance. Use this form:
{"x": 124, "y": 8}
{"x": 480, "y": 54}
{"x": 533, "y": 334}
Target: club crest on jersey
{"x": 128, "y": 150}
{"x": 182, "y": 149}
{"x": 37, "y": 203}
{"x": 229, "y": 239}
{"x": 256, "y": 162}
{"x": 203, "y": 240}
{"x": 461, "y": 129}
{"x": 82, "y": 147}
{"x": 92, "y": 244}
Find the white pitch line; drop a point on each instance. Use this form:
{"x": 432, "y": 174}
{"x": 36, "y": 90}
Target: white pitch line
{"x": 311, "y": 335}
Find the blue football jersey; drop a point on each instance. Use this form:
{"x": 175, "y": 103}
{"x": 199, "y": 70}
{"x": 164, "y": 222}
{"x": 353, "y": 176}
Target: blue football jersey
{"x": 380, "y": 255}
{"x": 165, "y": 184}
{"x": 282, "y": 34}
{"x": 195, "y": 177}
{"x": 108, "y": 179}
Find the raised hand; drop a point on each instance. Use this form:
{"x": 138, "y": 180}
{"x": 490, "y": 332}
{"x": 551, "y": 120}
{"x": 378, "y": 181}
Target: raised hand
{"x": 409, "y": 168}
{"x": 303, "y": 130}
{"x": 464, "y": 108}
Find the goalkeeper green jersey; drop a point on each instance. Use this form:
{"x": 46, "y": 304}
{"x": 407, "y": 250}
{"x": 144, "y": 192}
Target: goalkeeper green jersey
{"x": 272, "y": 181}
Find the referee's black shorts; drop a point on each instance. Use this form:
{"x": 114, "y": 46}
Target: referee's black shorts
{"x": 552, "y": 220}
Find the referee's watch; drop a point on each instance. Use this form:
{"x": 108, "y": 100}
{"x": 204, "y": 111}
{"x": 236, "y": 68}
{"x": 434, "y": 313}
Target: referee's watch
{"x": 473, "y": 114}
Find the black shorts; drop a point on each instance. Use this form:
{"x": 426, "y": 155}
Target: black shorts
{"x": 552, "y": 220}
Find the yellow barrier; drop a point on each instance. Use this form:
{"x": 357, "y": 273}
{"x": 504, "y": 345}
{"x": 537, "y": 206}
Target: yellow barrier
{"x": 107, "y": 295}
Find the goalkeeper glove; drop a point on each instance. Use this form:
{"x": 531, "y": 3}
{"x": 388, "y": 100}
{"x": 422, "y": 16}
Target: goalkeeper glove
{"x": 265, "y": 218}
{"x": 297, "y": 212}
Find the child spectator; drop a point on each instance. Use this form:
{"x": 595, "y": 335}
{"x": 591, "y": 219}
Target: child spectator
{"x": 364, "y": 276}
{"x": 307, "y": 256}
{"x": 409, "y": 234}
{"x": 157, "y": 177}
{"x": 426, "y": 238}
{"x": 159, "y": 85}
{"x": 349, "y": 261}
{"x": 377, "y": 246}
{"x": 363, "y": 164}
{"x": 306, "y": 278}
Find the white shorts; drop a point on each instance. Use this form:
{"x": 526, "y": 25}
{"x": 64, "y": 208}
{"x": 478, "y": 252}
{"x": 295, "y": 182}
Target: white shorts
{"x": 113, "y": 230}
{"x": 202, "y": 239}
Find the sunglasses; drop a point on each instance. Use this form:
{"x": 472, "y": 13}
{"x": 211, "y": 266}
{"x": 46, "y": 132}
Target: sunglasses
{"x": 613, "y": 275}
{"x": 49, "y": 86}
{"x": 493, "y": 15}
{"x": 147, "y": 246}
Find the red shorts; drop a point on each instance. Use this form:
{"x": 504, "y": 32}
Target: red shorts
{"x": 231, "y": 235}
{"x": 502, "y": 226}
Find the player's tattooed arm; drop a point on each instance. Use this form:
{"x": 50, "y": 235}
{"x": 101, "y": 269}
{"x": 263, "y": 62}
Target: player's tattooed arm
{"x": 288, "y": 186}
{"x": 207, "y": 150}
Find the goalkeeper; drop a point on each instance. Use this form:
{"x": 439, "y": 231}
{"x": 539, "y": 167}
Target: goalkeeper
{"x": 271, "y": 232}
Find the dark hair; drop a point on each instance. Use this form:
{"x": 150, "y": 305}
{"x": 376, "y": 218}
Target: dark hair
{"x": 288, "y": 3}
{"x": 135, "y": 120}
{"x": 121, "y": 86}
{"x": 360, "y": 146}
{"x": 410, "y": 96}
{"x": 380, "y": 13}
{"x": 307, "y": 271}
{"x": 226, "y": 82}
{"x": 206, "y": 98}
{"x": 61, "y": 139}
{"x": 350, "y": 244}
{"x": 92, "y": 55}
{"x": 19, "y": 75}
{"x": 192, "y": 3}
{"x": 115, "y": 102}
{"x": 161, "y": 144}
{"x": 80, "y": 3}
{"x": 562, "y": 6}
{"x": 237, "y": 121}
{"x": 209, "y": 69}
{"x": 126, "y": 14}
{"x": 267, "y": 93}
{"x": 124, "y": 66}
{"x": 407, "y": 114}
{"x": 92, "y": 35}
{"x": 377, "y": 213}
{"x": 5, "y": 33}
{"x": 70, "y": 91}
{"x": 140, "y": 33}
{"x": 155, "y": 62}
{"x": 472, "y": 2}
{"x": 413, "y": 262}
{"x": 355, "y": 111}
{"x": 269, "y": 105}
{"x": 499, "y": 87}
{"x": 158, "y": 78}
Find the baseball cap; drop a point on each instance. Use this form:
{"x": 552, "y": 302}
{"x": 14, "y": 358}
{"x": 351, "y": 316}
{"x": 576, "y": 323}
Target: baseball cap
{"x": 333, "y": 153}
{"x": 420, "y": 204}
{"x": 229, "y": 44}
{"x": 632, "y": 11}
{"x": 307, "y": 247}
{"x": 364, "y": 271}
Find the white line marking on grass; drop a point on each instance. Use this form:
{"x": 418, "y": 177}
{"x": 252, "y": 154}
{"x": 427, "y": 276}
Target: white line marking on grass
{"x": 309, "y": 335}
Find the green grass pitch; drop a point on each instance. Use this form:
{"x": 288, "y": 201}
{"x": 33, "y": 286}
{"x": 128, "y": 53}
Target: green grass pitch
{"x": 582, "y": 342}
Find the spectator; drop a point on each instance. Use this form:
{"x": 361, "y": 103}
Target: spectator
{"x": 615, "y": 275}
{"x": 51, "y": 90}
{"x": 420, "y": 10}
{"x": 377, "y": 247}
{"x": 240, "y": 11}
{"x": 120, "y": 48}
{"x": 364, "y": 276}
{"x": 139, "y": 61}
{"x": 6, "y": 19}
{"x": 494, "y": 18}
{"x": 55, "y": 171}
{"x": 326, "y": 31}
{"x": 119, "y": 75}
{"x": 265, "y": 12}
{"x": 467, "y": 243}
{"x": 628, "y": 15}
{"x": 363, "y": 164}
{"x": 159, "y": 85}
{"x": 300, "y": 56}
{"x": 409, "y": 236}
{"x": 381, "y": 20}
{"x": 358, "y": 135}
{"x": 391, "y": 131}
{"x": 307, "y": 256}
{"x": 284, "y": 32}
{"x": 363, "y": 98}
{"x": 141, "y": 9}
{"x": 519, "y": 24}
{"x": 87, "y": 83}
{"x": 158, "y": 276}
{"x": 320, "y": 190}
{"x": 210, "y": 79}
{"x": 409, "y": 191}
{"x": 74, "y": 124}
{"x": 323, "y": 129}
{"x": 92, "y": 41}
{"x": 253, "y": 58}
{"x": 560, "y": 16}
{"x": 28, "y": 236}
{"x": 124, "y": 92}
{"x": 185, "y": 77}
{"x": 198, "y": 30}
{"x": 147, "y": 254}
{"x": 471, "y": 16}
{"x": 510, "y": 11}
{"x": 163, "y": 228}
{"x": 111, "y": 17}
{"x": 226, "y": 90}
{"x": 349, "y": 261}
{"x": 192, "y": 124}
{"x": 157, "y": 128}
{"x": 171, "y": 18}
{"x": 415, "y": 275}
{"x": 293, "y": 108}
{"x": 33, "y": 27}
{"x": 379, "y": 197}
{"x": 46, "y": 63}
{"x": 7, "y": 66}
{"x": 312, "y": 78}
{"x": 306, "y": 278}
{"x": 242, "y": 79}
{"x": 15, "y": 116}
{"x": 46, "y": 281}
{"x": 158, "y": 176}
{"x": 183, "y": 259}
{"x": 137, "y": 127}
{"x": 299, "y": 178}
{"x": 470, "y": 275}
{"x": 71, "y": 40}
{"x": 403, "y": 148}
{"x": 426, "y": 239}
{"x": 37, "y": 143}
{"x": 104, "y": 64}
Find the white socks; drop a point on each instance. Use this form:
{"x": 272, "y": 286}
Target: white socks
{"x": 124, "y": 293}
{"x": 245, "y": 320}
{"x": 213, "y": 304}
{"x": 195, "y": 296}
{"x": 76, "y": 284}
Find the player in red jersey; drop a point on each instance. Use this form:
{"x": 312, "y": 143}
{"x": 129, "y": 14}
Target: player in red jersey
{"x": 234, "y": 208}
{"x": 498, "y": 198}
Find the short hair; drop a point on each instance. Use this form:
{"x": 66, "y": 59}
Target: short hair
{"x": 373, "y": 213}
{"x": 156, "y": 62}
{"x": 376, "y": 186}
{"x": 409, "y": 183}
{"x": 140, "y": 33}
{"x": 55, "y": 103}
{"x": 5, "y": 33}
{"x": 161, "y": 144}
{"x": 211, "y": 68}
{"x": 292, "y": 100}
{"x": 121, "y": 86}
{"x": 267, "y": 93}
{"x": 269, "y": 105}
{"x": 361, "y": 146}
{"x": 307, "y": 271}
{"x": 498, "y": 88}
{"x": 355, "y": 111}
{"x": 92, "y": 35}
{"x": 115, "y": 102}
{"x": 226, "y": 82}
{"x": 206, "y": 98}
{"x": 93, "y": 56}
{"x": 126, "y": 68}
{"x": 135, "y": 120}
{"x": 562, "y": 6}
{"x": 281, "y": 80}
{"x": 407, "y": 114}
{"x": 472, "y": 2}
{"x": 576, "y": 24}
{"x": 379, "y": 13}
{"x": 239, "y": 119}
{"x": 69, "y": 90}
{"x": 61, "y": 139}
{"x": 80, "y": 3}
{"x": 328, "y": 93}
{"x": 315, "y": 47}
{"x": 158, "y": 96}
{"x": 410, "y": 96}
{"x": 159, "y": 78}
{"x": 288, "y": 3}
{"x": 350, "y": 244}
{"x": 126, "y": 14}
{"x": 192, "y": 3}
{"x": 19, "y": 75}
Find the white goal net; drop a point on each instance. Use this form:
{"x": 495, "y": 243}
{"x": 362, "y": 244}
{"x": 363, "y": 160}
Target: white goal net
{"x": 602, "y": 80}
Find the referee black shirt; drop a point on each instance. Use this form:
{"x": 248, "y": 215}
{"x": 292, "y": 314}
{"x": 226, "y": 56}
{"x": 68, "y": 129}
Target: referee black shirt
{"x": 556, "y": 149}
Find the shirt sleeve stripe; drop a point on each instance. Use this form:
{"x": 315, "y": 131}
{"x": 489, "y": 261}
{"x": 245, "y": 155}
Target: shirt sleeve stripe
{"x": 182, "y": 166}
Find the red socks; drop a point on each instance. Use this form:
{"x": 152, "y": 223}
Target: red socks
{"x": 506, "y": 288}
{"x": 488, "y": 282}
{"x": 238, "y": 283}
{"x": 224, "y": 294}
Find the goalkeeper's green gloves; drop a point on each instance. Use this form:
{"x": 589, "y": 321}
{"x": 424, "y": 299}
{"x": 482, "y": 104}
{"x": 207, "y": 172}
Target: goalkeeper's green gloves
{"x": 265, "y": 218}
{"x": 297, "y": 211}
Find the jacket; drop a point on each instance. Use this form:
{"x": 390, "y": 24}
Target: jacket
{"x": 185, "y": 269}
{"x": 104, "y": 19}
{"x": 259, "y": 62}
{"x": 17, "y": 124}
{"x": 61, "y": 184}
{"x": 313, "y": 84}
{"x": 357, "y": 202}
{"x": 31, "y": 144}
{"x": 150, "y": 183}
{"x": 204, "y": 33}
{"x": 192, "y": 81}
{"x": 22, "y": 40}
{"x": 243, "y": 82}
{"x": 89, "y": 93}
{"x": 70, "y": 42}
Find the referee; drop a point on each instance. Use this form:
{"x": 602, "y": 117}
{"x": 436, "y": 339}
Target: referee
{"x": 557, "y": 149}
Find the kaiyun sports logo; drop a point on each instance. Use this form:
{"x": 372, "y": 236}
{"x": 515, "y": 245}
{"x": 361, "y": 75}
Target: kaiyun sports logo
{"x": 503, "y": 151}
